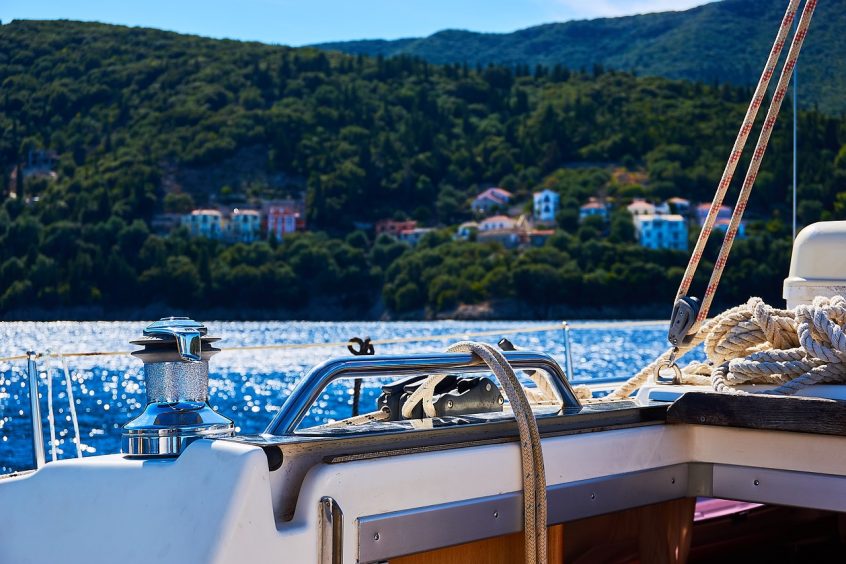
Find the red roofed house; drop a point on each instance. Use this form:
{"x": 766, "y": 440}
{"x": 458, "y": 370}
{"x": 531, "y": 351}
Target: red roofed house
{"x": 393, "y": 227}
{"x": 491, "y": 199}
{"x": 282, "y": 220}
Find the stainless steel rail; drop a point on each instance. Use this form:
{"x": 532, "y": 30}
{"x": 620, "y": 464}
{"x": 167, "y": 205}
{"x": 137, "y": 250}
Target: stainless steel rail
{"x": 310, "y": 387}
{"x": 35, "y": 410}
{"x": 568, "y": 350}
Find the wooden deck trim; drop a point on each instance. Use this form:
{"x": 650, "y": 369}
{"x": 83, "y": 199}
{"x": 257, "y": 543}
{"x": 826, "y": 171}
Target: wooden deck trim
{"x": 771, "y": 413}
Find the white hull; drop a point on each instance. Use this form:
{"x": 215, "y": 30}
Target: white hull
{"x": 217, "y": 501}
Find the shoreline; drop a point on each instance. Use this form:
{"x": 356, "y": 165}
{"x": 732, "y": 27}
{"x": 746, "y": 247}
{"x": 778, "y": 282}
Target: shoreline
{"x": 504, "y": 310}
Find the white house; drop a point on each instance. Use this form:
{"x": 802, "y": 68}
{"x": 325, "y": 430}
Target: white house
{"x": 244, "y": 225}
{"x": 546, "y": 206}
{"x": 593, "y": 208}
{"x": 640, "y": 207}
{"x": 491, "y": 199}
{"x": 661, "y": 231}
{"x": 204, "y": 223}
{"x": 497, "y": 222}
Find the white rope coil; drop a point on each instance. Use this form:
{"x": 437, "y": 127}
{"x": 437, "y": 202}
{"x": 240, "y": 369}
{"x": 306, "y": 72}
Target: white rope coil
{"x": 755, "y": 343}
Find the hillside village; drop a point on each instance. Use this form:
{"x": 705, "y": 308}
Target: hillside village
{"x": 309, "y": 184}
{"x": 499, "y": 218}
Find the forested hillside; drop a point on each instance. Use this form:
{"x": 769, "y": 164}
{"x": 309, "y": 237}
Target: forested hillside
{"x": 725, "y": 41}
{"x": 135, "y": 114}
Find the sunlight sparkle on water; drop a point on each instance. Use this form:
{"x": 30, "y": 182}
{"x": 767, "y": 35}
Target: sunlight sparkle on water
{"x": 248, "y": 386}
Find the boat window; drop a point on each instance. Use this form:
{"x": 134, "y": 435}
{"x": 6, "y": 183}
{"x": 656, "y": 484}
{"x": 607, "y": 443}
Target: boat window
{"x": 378, "y": 404}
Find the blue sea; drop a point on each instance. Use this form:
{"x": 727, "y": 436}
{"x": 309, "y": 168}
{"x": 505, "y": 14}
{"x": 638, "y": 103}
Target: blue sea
{"x": 249, "y": 386}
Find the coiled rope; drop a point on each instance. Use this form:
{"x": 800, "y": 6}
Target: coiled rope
{"x": 755, "y": 343}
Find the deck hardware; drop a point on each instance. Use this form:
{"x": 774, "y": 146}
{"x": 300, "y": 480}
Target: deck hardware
{"x": 39, "y": 458}
{"x": 187, "y": 333}
{"x": 506, "y": 345}
{"x": 364, "y": 348}
{"x": 670, "y": 363}
{"x": 309, "y": 389}
{"x": 176, "y": 357}
{"x": 683, "y": 321}
{"x": 331, "y": 530}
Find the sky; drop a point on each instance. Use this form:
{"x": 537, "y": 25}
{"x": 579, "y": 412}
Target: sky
{"x": 302, "y": 22}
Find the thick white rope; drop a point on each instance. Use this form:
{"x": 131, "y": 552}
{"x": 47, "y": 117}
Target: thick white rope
{"x": 424, "y": 393}
{"x": 531, "y": 453}
{"x": 758, "y": 344}
{"x": 812, "y": 347}
{"x": 383, "y": 414}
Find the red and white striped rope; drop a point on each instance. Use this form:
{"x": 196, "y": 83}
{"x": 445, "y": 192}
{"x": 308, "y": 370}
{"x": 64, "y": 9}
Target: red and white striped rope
{"x": 739, "y": 145}
{"x": 758, "y": 155}
{"x": 737, "y": 149}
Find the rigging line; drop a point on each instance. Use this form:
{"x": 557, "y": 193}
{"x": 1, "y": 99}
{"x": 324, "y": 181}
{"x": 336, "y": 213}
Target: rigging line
{"x": 416, "y": 339}
{"x": 737, "y": 149}
{"x": 758, "y": 155}
{"x": 14, "y": 358}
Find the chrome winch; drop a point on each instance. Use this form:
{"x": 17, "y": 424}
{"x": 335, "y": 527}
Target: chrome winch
{"x": 176, "y": 357}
